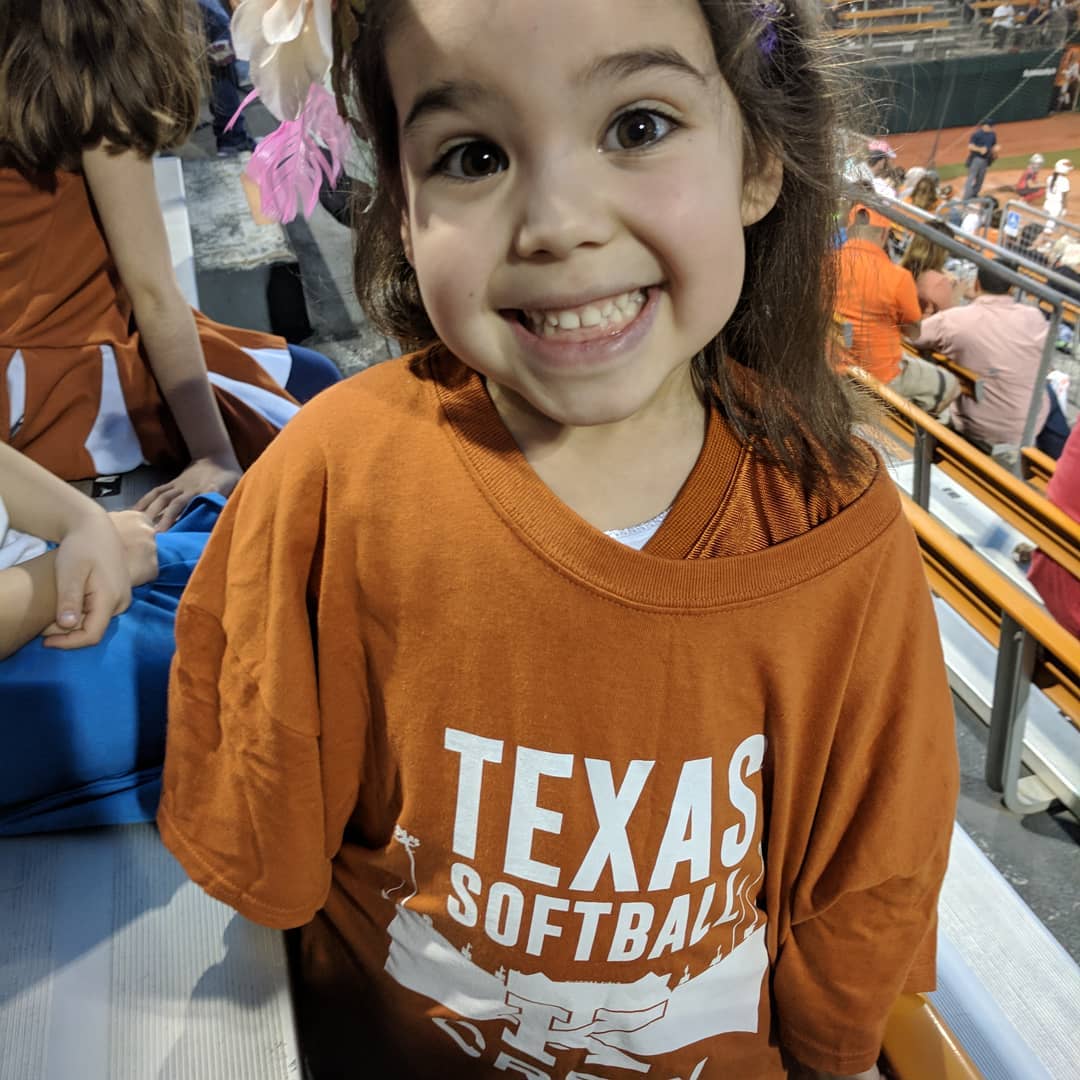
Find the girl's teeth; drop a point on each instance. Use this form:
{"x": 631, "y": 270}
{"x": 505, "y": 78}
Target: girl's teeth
{"x": 614, "y": 312}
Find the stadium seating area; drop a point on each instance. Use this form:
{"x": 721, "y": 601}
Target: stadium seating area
{"x": 926, "y": 28}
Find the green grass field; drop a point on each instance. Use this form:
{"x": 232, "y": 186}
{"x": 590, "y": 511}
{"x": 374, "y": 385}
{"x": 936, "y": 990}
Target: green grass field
{"x": 1019, "y": 161}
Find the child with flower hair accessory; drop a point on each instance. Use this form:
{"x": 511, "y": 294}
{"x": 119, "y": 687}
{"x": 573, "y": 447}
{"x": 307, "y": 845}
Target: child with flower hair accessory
{"x": 572, "y": 683}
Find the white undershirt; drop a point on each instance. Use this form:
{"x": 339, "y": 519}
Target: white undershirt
{"x": 16, "y": 547}
{"x": 637, "y": 536}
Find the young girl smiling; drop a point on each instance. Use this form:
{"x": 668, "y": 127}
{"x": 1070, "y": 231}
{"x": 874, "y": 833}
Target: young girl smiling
{"x": 545, "y": 804}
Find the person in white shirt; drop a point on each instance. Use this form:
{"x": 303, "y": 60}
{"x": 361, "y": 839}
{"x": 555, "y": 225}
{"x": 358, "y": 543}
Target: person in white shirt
{"x": 1056, "y": 200}
{"x": 1002, "y": 21}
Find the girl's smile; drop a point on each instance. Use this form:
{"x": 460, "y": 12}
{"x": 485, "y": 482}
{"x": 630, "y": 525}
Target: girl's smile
{"x": 587, "y": 335}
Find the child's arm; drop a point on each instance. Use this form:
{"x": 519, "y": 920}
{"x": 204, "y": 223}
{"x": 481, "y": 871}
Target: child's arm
{"x": 863, "y": 908}
{"x": 126, "y": 200}
{"x": 73, "y": 591}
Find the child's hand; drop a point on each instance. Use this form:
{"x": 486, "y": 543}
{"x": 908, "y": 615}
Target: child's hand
{"x": 136, "y": 532}
{"x": 166, "y": 503}
{"x": 92, "y": 583}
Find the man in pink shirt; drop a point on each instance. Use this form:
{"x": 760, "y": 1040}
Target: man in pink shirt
{"x": 1002, "y": 342}
{"x": 1058, "y": 588}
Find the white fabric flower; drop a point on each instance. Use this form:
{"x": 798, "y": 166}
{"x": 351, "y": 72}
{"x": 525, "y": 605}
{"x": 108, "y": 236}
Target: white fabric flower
{"x": 289, "y": 44}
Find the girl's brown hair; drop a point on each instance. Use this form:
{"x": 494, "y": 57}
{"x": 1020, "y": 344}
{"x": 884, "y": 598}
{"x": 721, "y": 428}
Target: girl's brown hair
{"x": 76, "y": 72}
{"x": 925, "y": 195}
{"x": 922, "y": 255}
{"x": 782, "y": 324}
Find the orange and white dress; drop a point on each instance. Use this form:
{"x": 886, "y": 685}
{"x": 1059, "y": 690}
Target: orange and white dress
{"x": 76, "y": 390}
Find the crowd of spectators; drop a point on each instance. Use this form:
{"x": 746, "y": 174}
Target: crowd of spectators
{"x": 902, "y": 298}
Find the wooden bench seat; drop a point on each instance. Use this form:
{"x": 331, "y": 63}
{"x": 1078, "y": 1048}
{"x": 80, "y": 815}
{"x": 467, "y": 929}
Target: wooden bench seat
{"x": 887, "y": 13}
{"x": 888, "y": 30}
{"x": 1033, "y": 649}
{"x": 919, "y": 1045}
{"x": 1007, "y": 495}
{"x": 1036, "y": 467}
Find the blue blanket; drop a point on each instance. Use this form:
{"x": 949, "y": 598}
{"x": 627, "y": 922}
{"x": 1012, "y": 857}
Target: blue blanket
{"x": 82, "y": 733}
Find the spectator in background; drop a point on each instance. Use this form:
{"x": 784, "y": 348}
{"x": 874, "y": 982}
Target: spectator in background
{"x": 1002, "y": 341}
{"x": 1002, "y": 21}
{"x": 925, "y": 194}
{"x": 925, "y": 261}
{"x": 1058, "y": 30}
{"x": 1056, "y": 201}
{"x": 1028, "y": 187}
{"x": 879, "y": 302}
{"x": 911, "y": 178}
{"x": 1036, "y": 22}
{"x": 1068, "y": 265}
{"x": 982, "y": 150}
{"x": 225, "y": 96}
{"x": 1058, "y": 588}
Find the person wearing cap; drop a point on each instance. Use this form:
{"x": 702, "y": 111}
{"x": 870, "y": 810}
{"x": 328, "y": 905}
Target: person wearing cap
{"x": 1056, "y": 200}
{"x": 879, "y": 302}
{"x": 1028, "y": 187}
{"x": 982, "y": 149}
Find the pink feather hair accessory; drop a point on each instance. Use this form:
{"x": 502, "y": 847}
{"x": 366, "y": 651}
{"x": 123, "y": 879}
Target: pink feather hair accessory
{"x": 289, "y": 44}
{"x": 289, "y": 165}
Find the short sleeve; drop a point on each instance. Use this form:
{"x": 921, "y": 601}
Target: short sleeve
{"x": 863, "y": 909}
{"x": 16, "y": 547}
{"x": 934, "y": 333}
{"x": 260, "y": 776}
{"x": 908, "y": 308}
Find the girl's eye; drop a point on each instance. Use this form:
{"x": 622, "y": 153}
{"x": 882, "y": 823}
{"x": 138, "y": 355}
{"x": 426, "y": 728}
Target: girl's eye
{"x": 637, "y": 129}
{"x": 474, "y": 160}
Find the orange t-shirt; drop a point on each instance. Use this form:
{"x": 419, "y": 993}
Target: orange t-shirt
{"x": 545, "y": 804}
{"x": 876, "y": 297}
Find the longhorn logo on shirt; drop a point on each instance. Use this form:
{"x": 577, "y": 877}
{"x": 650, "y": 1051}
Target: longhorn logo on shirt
{"x": 704, "y": 948}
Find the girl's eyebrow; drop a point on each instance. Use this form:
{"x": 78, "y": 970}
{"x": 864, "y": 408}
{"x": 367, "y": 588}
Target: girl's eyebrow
{"x": 445, "y": 96}
{"x": 452, "y": 96}
{"x": 622, "y": 65}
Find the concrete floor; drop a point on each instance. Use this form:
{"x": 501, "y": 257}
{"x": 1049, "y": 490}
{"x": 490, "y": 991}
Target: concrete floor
{"x": 323, "y": 252}
{"x": 1038, "y": 855}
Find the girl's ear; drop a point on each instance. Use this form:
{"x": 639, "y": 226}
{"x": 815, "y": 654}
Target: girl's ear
{"x": 761, "y": 190}
{"x": 406, "y": 238}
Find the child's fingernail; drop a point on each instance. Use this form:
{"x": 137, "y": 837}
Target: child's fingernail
{"x": 68, "y": 618}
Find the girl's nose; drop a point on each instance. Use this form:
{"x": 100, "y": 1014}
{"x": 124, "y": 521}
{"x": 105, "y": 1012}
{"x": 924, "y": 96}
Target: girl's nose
{"x": 561, "y": 210}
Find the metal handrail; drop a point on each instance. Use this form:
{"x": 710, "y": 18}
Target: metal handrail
{"x": 1068, "y": 226}
{"x": 967, "y": 246}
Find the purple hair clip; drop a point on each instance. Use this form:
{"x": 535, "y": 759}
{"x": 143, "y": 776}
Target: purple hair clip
{"x": 767, "y": 14}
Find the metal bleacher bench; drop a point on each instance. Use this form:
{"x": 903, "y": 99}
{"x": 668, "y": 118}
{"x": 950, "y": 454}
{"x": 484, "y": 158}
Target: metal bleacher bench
{"x": 1012, "y": 663}
{"x": 872, "y": 30}
{"x": 1036, "y": 467}
{"x": 113, "y": 965}
{"x": 887, "y": 13}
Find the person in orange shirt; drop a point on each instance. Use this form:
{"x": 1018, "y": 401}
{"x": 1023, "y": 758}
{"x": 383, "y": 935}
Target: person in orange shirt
{"x": 573, "y": 683}
{"x": 879, "y": 301}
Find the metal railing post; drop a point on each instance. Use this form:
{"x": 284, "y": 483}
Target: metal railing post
{"x": 925, "y": 445}
{"x": 1008, "y": 716}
